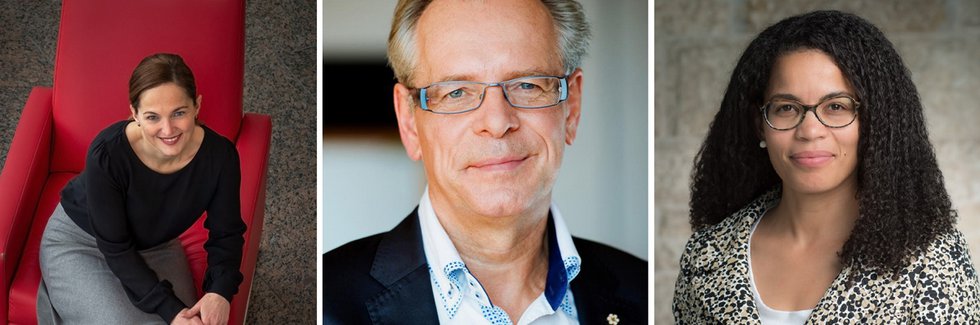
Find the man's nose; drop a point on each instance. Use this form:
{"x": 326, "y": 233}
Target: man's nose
{"x": 497, "y": 116}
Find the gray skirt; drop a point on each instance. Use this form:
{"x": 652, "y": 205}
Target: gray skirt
{"x": 77, "y": 286}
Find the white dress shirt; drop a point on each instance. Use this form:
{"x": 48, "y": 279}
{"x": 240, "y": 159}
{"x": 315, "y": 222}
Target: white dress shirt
{"x": 461, "y": 299}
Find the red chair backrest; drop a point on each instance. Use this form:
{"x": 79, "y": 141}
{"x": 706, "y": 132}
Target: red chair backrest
{"x": 100, "y": 42}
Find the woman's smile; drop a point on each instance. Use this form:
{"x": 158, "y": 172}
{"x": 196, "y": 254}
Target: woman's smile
{"x": 812, "y": 159}
{"x": 171, "y": 140}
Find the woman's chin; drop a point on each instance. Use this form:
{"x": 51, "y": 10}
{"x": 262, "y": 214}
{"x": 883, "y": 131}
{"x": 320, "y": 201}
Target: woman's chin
{"x": 169, "y": 151}
{"x": 809, "y": 186}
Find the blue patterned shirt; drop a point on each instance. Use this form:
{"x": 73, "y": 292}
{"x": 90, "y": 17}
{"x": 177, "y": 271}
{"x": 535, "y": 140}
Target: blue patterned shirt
{"x": 461, "y": 299}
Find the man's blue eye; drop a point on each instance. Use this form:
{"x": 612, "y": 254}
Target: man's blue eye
{"x": 456, "y": 93}
{"x": 527, "y": 85}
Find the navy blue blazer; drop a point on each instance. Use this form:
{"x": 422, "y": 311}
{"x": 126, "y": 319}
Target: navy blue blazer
{"x": 384, "y": 279}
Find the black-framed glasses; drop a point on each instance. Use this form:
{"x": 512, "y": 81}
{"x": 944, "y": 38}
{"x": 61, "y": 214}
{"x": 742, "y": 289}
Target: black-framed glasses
{"x": 454, "y": 97}
{"x": 834, "y": 112}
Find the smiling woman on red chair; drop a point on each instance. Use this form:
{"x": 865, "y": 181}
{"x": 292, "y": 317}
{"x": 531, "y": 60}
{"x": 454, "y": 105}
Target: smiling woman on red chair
{"x": 110, "y": 253}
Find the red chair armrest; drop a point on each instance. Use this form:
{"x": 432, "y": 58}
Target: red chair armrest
{"x": 253, "y": 150}
{"x": 21, "y": 183}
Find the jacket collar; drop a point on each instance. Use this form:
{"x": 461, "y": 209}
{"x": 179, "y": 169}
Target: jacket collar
{"x": 598, "y": 295}
{"x": 720, "y": 265}
{"x": 399, "y": 265}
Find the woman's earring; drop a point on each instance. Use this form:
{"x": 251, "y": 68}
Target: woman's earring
{"x": 762, "y": 144}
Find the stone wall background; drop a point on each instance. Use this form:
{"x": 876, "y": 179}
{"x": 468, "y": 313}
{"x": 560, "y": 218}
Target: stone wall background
{"x": 697, "y": 44}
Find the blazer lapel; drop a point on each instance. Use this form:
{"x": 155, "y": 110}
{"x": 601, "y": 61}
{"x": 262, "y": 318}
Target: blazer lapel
{"x": 596, "y": 299}
{"x": 597, "y": 306}
{"x": 400, "y": 266}
{"x": 720, "y": 273}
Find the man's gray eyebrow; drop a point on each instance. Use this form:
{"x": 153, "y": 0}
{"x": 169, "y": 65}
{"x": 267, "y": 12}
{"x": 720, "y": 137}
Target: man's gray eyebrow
{"x": 508, "y": 76}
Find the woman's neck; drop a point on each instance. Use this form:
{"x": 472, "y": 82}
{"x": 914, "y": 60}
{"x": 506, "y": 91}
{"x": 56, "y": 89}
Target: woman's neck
{"x": 152, "y": 158}
{"x": 815, "y": 217}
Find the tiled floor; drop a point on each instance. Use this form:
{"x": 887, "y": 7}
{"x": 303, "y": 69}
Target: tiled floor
{"x": 280, "y": 80}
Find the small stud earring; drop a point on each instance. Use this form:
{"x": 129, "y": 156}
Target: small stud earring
{"x": 762, "y": 144}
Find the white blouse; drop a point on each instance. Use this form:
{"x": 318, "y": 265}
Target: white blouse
{"x": 767, "y": 315}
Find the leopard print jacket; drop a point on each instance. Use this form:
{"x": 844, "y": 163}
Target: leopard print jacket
{"x": 938, "y": 287}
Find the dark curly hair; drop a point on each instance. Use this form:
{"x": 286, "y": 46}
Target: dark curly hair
{"x": 903, "y": 203}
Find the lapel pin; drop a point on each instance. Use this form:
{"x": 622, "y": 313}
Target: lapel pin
{"x": 613, "y": 319}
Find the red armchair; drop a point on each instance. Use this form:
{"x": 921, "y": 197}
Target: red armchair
{"x": 99, "y": 44}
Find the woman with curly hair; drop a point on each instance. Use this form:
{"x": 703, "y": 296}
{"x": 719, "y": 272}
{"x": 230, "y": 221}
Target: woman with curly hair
{"x": 816, "y": 197}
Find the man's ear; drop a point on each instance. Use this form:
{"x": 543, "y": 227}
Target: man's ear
{"x": 407, "y": 129}
{"x": 574, "y": 105}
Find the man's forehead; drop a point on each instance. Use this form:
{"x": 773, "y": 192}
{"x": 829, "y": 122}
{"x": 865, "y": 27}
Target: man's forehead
{"x": 474, "y": 40}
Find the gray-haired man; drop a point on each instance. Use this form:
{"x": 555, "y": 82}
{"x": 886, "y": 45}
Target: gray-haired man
{"x": 489, "y": 94}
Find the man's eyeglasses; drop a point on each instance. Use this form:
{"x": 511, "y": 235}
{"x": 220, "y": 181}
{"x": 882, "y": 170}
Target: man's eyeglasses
{"x": 454, "y": 97}
{"x": 835, "y": 112}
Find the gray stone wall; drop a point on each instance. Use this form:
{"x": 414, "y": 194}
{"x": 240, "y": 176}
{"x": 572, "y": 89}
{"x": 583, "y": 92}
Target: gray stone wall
{"x": 697, "y": 43}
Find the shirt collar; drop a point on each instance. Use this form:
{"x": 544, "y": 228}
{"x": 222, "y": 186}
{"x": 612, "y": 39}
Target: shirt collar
{"x": 452, "y": 279}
